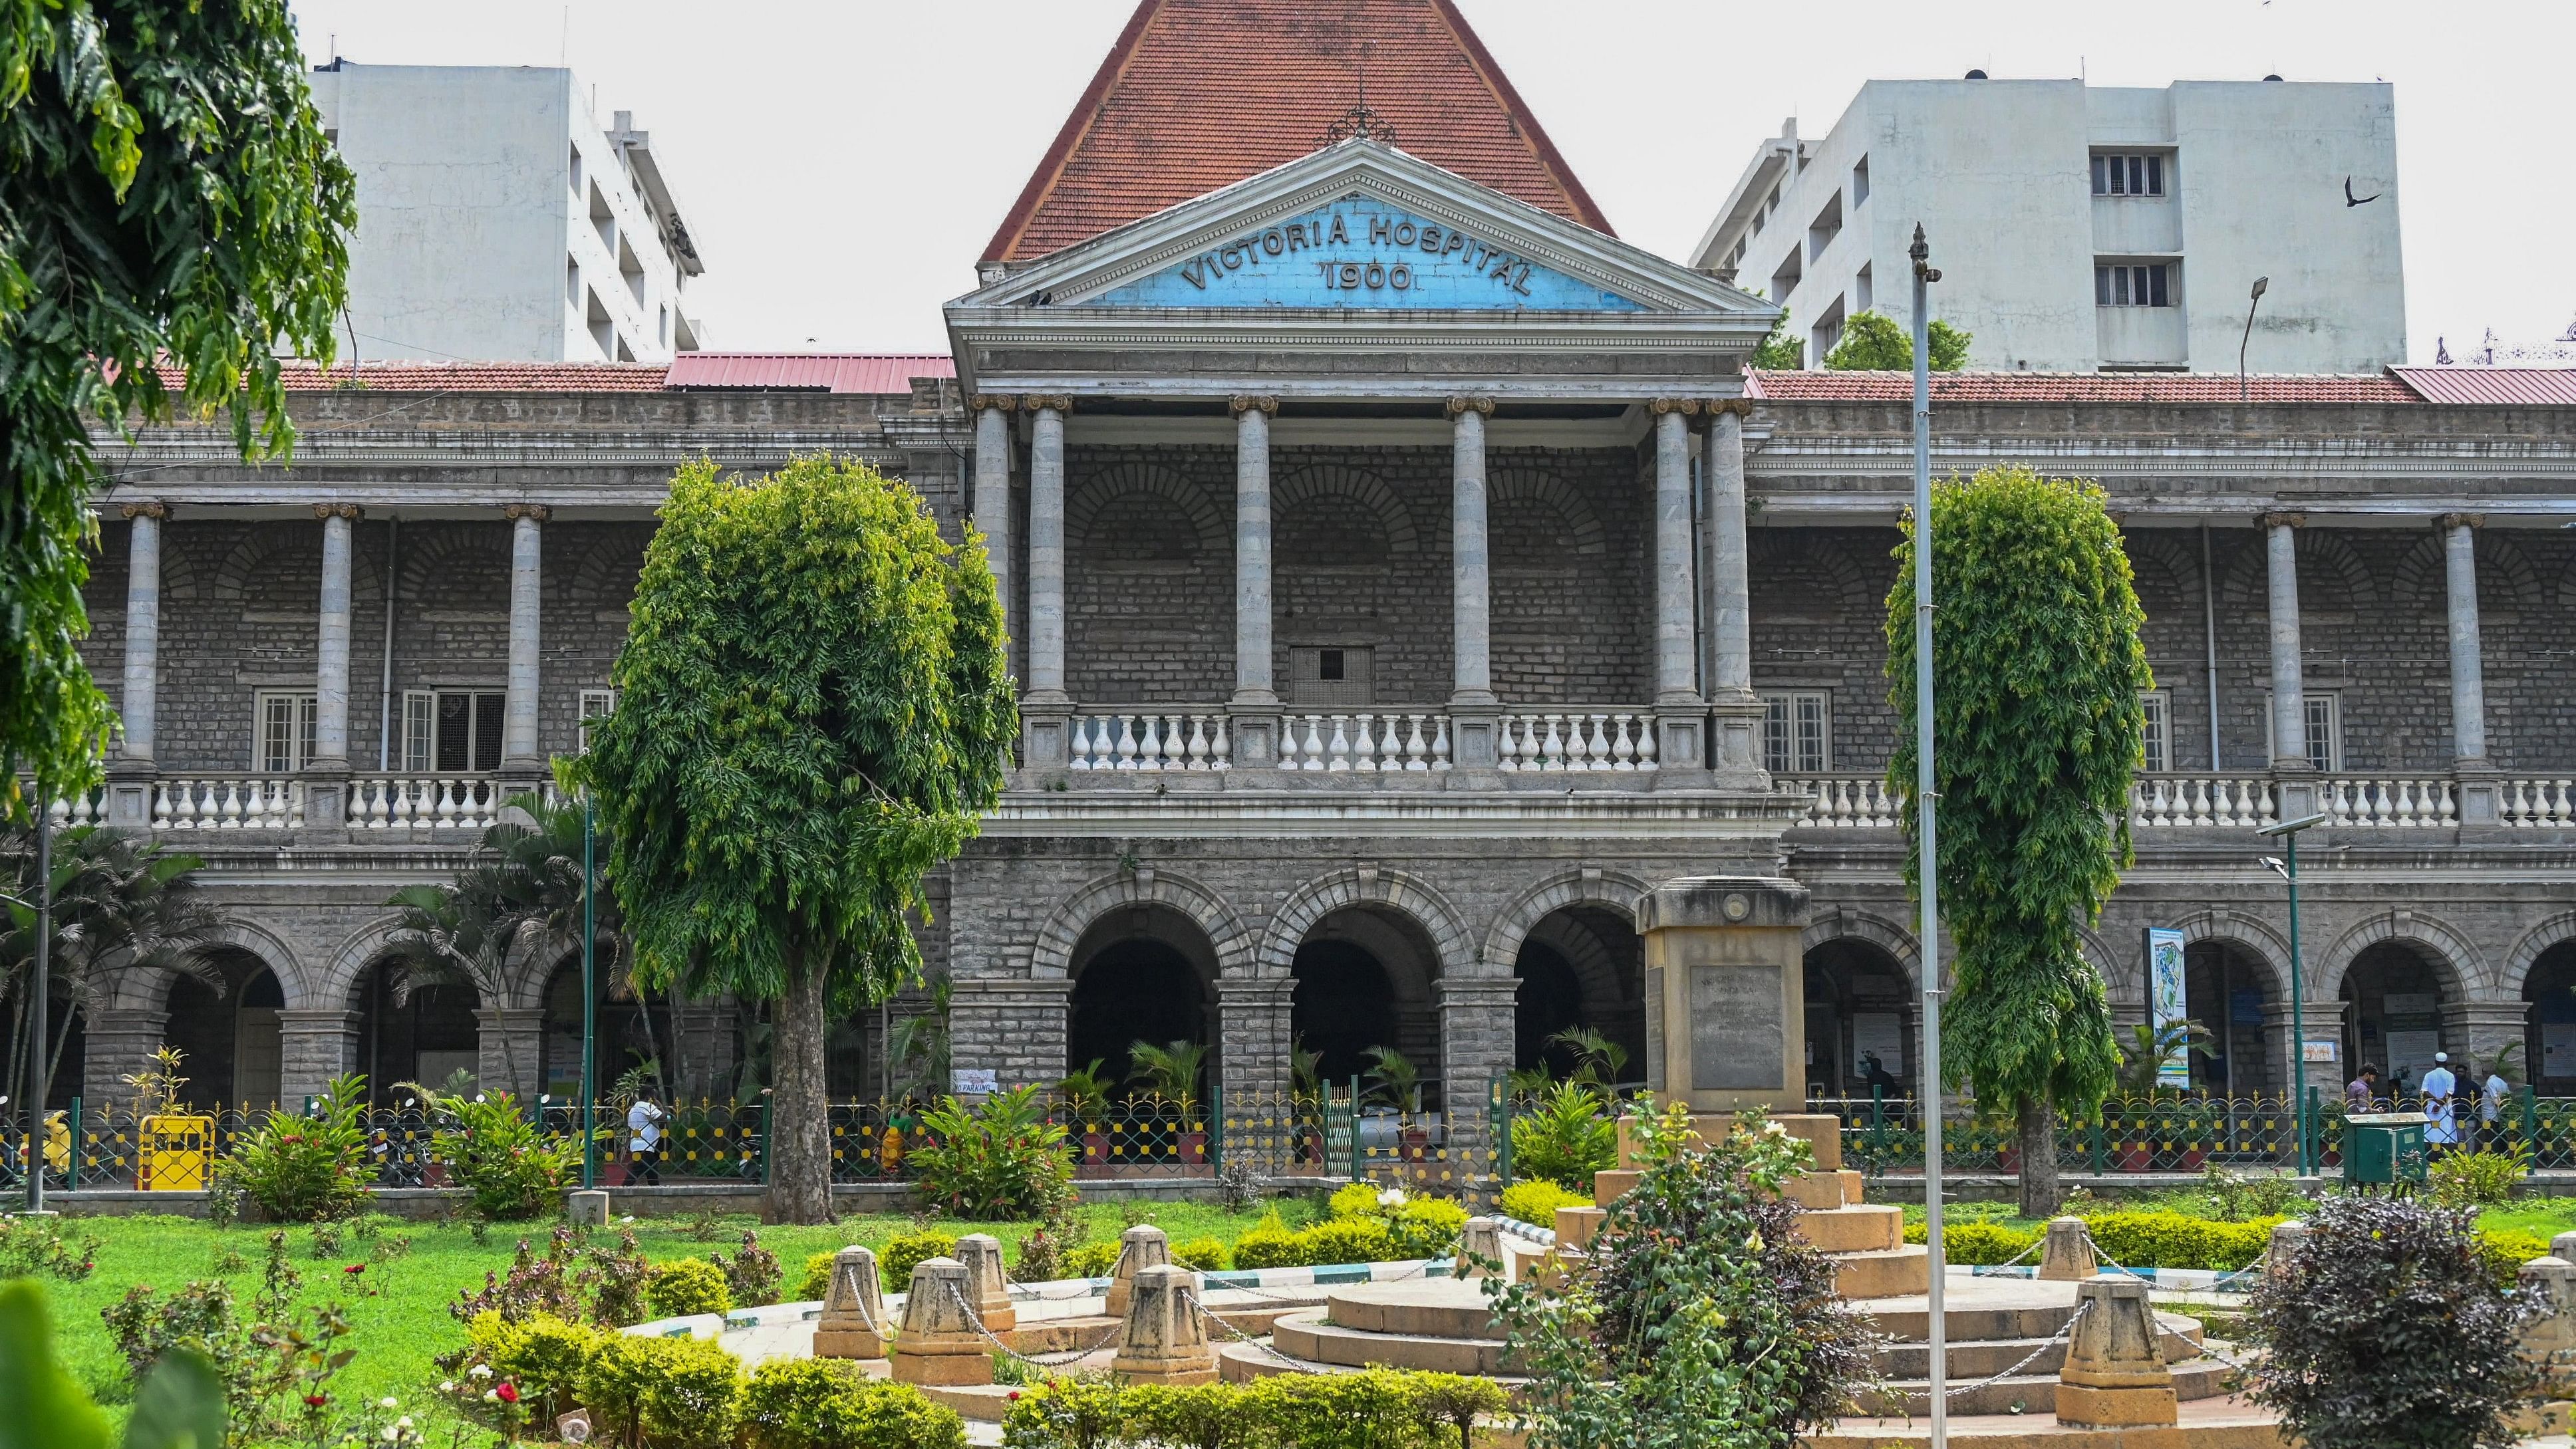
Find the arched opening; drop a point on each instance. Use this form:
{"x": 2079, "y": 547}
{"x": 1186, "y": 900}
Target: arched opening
{"x": 2549, "y": 1031}
{"x": 1365, "y": 977}
{"x": 1860, "y": 1022}
{"x": 2393, "y": 1013}
{"x": 428, "y": 1036}
{"x": 230, "y": 1036}
{"x": 1580, "y": 967}
{"x": 631, "y": 1035}
{"x": 1140, "y": 974}
{"x": 2227, "y": 988}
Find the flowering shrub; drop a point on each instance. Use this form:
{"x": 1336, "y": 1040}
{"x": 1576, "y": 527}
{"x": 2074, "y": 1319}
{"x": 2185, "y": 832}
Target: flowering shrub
{"x": 1417, "y": 1225}
{"x": 1535, "y": 1202}
{"x": 752, "y": 1274}
{"x": 30, "y": 1246}
{"x": 686, "y": 1286}
{"x": 1003, "y": 1159}
{"x": 550, "y": 1285}
{"x": 829, "y": 1404}
{"x": 305, "y": 1168}
{"x": 542, "y": 1358}
{"x": 1373, "y": 1409}
{"x": 510, "y": 1169}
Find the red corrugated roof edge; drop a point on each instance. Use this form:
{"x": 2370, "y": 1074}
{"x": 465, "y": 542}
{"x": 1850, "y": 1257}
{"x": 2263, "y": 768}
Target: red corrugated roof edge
{"x": 841, "y": 372}
{"x": 848, "y": 372}
{"x": 2493, "y": 386}
{"x": 2052, "y": 387}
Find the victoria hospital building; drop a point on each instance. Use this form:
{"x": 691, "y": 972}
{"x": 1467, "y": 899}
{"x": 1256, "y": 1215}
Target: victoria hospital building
{"x": 1404, "y": 574}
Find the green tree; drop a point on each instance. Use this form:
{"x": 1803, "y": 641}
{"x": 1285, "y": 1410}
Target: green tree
{"x": 2037, "y": 727}
{"x": 814, "y": 709}
{"x": 1778, "y": 351}
{"x": 1873, "y": 342}
{"x": 165, "y": 193}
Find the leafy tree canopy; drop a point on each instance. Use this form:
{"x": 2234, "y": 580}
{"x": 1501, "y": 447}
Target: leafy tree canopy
{"x": 1779, "y": 350}
{"x": 165, "y": 191}
{"x": 1874, "y": 342}
{"x": 2037, "y": 669}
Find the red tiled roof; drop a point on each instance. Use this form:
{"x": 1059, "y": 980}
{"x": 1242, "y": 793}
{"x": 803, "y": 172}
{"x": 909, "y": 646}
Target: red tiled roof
{"x": 466, "y": 377}
{"x": 2061, "y": 387}
{"x": 809, "y": 371}
{"x": 1199, "y": 94}
{"x": 2492, "y": 385}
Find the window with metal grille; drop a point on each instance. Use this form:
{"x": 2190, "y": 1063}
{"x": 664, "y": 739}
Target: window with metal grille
{"x": 285, "y": 723}
{"x": 452, "y": 731}
{"x": 2325, "y": 729}
{"x": 596, "y": 705}
{"x": 1797, "y": 731}
{"x": 2157, "y": 707}
{"x": 1330, "y": 676}
{"x": 2131, "y": 284}
{"x": 2142, "y": 175}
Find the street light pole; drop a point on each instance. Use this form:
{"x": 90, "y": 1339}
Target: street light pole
{"x": 1928, "y": 869}
{"x": 2260, "y": 283}
{"x": 2288, "y": 831}
{"x": 589, "y": 1001}
{"x": 39, "y": 987}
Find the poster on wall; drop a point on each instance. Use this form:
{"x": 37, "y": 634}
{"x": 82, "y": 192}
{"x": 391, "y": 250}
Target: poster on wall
{"x": 2558, "y": 1048}
{"x": 2167, "y": 1002}
{"x": 1883, "y": 1033}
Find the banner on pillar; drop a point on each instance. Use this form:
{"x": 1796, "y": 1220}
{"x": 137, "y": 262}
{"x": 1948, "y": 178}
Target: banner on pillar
{"x": 2167, "y": 1000}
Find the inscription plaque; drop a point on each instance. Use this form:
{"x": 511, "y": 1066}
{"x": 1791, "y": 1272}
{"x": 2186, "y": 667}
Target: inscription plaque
{"x": 1737, "y": 1032}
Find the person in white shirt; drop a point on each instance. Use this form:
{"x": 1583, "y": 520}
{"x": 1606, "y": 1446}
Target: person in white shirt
{"x": 644, "y": 1142}
{"x": 2490, "y": 1107}
{"x": 2443, "y": 1130}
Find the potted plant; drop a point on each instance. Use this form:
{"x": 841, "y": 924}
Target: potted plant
{"x": 2145, "y": 1057}
{"x": 1396, "y": 1081}
{"x": 1086, "y": 1102}
{"x": 1172, "y": 1072}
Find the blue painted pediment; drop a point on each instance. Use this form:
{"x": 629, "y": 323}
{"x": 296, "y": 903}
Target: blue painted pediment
{"x": 1360, "y": 252}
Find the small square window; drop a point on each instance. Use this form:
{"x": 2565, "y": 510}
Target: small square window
{"x": 1797, "y": 731}
{"x": 1329, "y": 665}
{"x": 286, "y": 725}
{"x": 2129, "y": 175}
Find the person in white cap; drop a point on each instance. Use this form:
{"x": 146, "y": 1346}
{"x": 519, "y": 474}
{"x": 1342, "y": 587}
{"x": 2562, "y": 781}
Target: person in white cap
{"x": 2442, "y": 1132}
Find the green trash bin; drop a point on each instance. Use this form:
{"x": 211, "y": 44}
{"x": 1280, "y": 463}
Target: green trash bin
{"x": 2384, "y": 1148}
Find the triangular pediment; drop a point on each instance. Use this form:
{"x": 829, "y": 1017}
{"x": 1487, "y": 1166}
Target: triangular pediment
{"x": 1361, "y": 226}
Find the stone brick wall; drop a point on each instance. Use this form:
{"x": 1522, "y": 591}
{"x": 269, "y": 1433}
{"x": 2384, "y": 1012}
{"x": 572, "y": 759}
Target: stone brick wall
{"x": 1819, "y": 605}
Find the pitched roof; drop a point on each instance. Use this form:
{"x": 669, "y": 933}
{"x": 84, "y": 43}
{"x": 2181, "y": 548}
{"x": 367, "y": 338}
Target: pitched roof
{"x": 888, "y": 372}
{"x": 2066, "y": 387}
{"x": 465, "y": 377}
{"x": 2492, "y": 385}
{"x": 1199, "y": 94}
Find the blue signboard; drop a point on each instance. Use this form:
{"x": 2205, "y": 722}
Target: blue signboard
{"x": 2167, "y": 1000}
{"x": 1359, "y": 252}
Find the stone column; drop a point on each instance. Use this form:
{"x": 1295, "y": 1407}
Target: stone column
{"x": 519, "y": 753}
{"x": 129, "y": 785}
{"x": 1252, "y": 1036}
{"x": 1472, "y": 705}
{"x": 1012, "y": 1026}
{"x": 314, "y": 1046}
{"x": 2468, "y": 674}
{"x": 117, "y": 1043}
{"x": 1476, "y": 1016}
{"x": 1254, "y": 710}
{"x": 2295, "y": 792}
{"x": 1735, "y": 731}
{"x": 1045, "y": 709}
{"x": 326, "y": 782}
{"x": 1680, "y": 714}
{"x": 992, "y": 500}
{"x": 510, "y": 1046}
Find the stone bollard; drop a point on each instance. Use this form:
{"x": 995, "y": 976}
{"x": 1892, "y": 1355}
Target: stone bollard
{"x": 2549, "y": 1343}
{"x": 853, "y": 1321}
{"x": 1166, "y": 1339}
{"x": 2115, "y": 1375}
{"x": 1482, "y": 1238}
{"x": 989, "y": 1291}
{"x": 2563, "y": 1246}
{"x": 939, "y": 1343}
{"x": 586, "y": 1207}
{"x": 2068, "y": 1256}
{"x": 1139, "y": 1247}
{"x": 2286, "y": 1238}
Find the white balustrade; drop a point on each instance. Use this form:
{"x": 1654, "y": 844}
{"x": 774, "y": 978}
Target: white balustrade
{"x": 1575, "y": 740}
{"x": 1843, "y": 801}
{"x": 89, "y": 807}
{"x": 2536, "y": 803}
{"x": 418, "y": 803}
{"x": 1364, "y": 744}
{"x": 228, "y": 804}
{"x": 2157, "y": 801}
{"x": 2399, "y": 803}
{"x": 1188, "y": 740}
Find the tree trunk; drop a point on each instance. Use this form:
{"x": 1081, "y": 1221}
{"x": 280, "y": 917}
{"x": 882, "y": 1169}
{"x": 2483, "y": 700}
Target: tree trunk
{"x": 800, "y": 1139}
{"x": 2040, "y": 1197}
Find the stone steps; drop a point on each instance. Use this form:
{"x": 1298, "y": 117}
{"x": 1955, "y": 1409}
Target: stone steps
{"x": 2035, "y": 1393}
{"x": 1888, "y": 1273}
{"x": 1308, "y": 1335}
{"x": 1854, "y": 1229}
{"x": 1978, "y": 1357}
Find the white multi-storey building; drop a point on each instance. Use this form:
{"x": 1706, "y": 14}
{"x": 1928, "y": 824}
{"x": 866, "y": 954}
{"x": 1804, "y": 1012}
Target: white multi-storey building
{"x": 2084, "y": 227}
{"x": 498, "y": 221}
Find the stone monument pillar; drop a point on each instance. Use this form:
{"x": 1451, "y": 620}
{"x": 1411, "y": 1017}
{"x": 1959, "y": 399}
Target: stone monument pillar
{"x": 1143, "y": 1246}
{"x": 1165, "y": 1341}
{"x": 1726, "y": 993}
{"x": 2549, "y": 1341}
{"x": 2286, "y": 1238}
{"x": 853, "y": 1322}
{"x": 2115, "y": 1375}
{"x": 986, "y": 1288}
{"x": 1481, "y": 1243}
{"x": 939, "y": 1343}
{"x": 2068, "y": 1255}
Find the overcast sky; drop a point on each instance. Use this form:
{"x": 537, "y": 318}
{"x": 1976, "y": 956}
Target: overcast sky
{"x": 842, "y": 162}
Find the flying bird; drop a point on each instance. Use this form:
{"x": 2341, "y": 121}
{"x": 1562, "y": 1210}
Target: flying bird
{"x": 2351, "y": 200}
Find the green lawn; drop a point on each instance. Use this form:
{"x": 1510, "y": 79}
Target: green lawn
{"x": 403, "y": 1323}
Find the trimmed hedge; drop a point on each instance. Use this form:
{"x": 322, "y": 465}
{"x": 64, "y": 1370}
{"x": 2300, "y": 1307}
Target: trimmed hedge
{"x": 1372, "y": 1409}
{"x": 2179, "y": 1240}
{"x": 687, "y": 1285}
{"x": 1535, "y": 1202}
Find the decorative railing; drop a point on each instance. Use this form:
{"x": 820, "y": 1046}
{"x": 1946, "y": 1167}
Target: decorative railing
{"x": 1193, "y": 739}
{"x": 1364, "y": 743}
{"x": 2533, "y": 803}
{"x": 2156, "y": 801}
{"x": 1571, "y": 741}
{"x": 2399, "y": 802}
{"x": 87, "y": 808}
{"x": 1842, "y": 801}
{"x": 457, "y": 802}
{"x": 253, "y": 804}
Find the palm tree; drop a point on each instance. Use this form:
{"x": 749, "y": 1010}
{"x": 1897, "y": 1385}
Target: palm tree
{"x": 918, "y": 1046}
{"x": 120, "y": 902}
{"x": 1172, "y": 1069}
{"x": 1394, "y": 1079}
{"x": 1598, "y": 1060}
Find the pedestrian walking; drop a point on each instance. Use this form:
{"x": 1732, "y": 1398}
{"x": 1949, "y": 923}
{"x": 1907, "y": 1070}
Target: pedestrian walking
{"x": 644, "y": 1141}
{"x": 2442, "y": 1124}
{"x": 2362, "y": 1090}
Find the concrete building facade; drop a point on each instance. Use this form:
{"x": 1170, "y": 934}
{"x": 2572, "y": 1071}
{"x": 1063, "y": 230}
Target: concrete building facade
{"x": 498, "y": 220}
{"x": 2090, "y": 228}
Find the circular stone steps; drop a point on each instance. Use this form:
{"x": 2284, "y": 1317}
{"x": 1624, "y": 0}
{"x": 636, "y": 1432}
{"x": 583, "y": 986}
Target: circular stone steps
{"x": 2032, "y": 1394}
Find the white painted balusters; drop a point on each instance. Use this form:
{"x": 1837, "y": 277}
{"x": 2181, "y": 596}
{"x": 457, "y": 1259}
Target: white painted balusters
{"x": 228, "y": 805}
{"x": 1364, "y": 744}
{"x": 2537, "y": 803}
{"x": 1575, "y": 741}
{"x": 1843, "y": 801}
{"x": 455, "y": 803}
{"x": 2398, "y": 803}
{"x": 1194, "y": 740}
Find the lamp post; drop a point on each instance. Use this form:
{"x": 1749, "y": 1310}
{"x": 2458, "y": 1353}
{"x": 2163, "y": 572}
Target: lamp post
{"x": 2260, "y": 285}
{"x": 1928, "y": 871}
{"x": 38, "y": 987}
{"x": 2288, "y": 832}
{"x": 589, "y": 1003}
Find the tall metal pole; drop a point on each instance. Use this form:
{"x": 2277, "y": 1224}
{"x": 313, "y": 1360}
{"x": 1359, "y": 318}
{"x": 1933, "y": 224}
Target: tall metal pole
{"x": 589, "y": 1001}
{"x": 1929, "y": 868}
{"x": 2298, "y": 1013}
{"x": 39, "y": 989}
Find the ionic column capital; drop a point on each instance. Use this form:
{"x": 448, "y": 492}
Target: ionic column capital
{"x": 517, "y": 511}
{"x": 1058, "y": 403}
{"x": 1718, "y": 407}
{"x": 2449, "y": 521}
{"x": 144, "y": 510}
{"x": 1686, "y": 406}
{"x": 2283, "y": 520}
{"x": 1482, "y": 407}
{"x": 1000, "y": 402}
{"x": 1242, "y": 403}
{"x": 337, "y": 510}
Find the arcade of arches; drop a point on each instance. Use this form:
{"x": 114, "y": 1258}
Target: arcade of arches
{"x": 231, "y": 1036}
{"x": 1580, "y": 967}
{"x": 1142, "y": 974}
{"x": 2227, "y": 988}
{"x": 2394, "y": 1005}
{"x": 426, "y": 1035}
{"x": 2549, "y": 1038}
{"x": 1860, "y": 1008}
